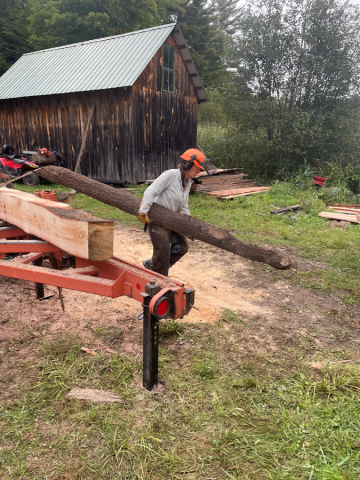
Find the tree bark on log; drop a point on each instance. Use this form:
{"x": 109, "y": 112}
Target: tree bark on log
{"x": 179, "y": 222}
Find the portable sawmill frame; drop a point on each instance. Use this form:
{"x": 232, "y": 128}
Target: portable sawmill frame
{"x": 160, "y": 296}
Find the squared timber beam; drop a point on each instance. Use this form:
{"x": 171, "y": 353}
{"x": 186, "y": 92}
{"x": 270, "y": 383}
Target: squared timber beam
{"x": 69, "y": 229}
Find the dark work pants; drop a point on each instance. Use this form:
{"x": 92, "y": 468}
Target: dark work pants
{"x": 168, "y": 246}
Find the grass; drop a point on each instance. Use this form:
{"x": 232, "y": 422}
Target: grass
{"x": 224, "y": 413}
{"x": 220, "y": 417}
{"x": 309, "y": 236}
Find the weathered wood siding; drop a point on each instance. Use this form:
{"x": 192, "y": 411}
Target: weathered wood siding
{"x": 136, "y": 132}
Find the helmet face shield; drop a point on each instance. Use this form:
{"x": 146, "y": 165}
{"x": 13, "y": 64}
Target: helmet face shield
{"x": 209, "y": 168}
{"x": 206, "y": 165}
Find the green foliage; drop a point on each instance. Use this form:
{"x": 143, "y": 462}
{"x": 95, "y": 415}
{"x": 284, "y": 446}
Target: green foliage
{"x": 294, "y": 97}
{"x": 13, "y": 32}
{"x": 229, "y": 14}
{"x": 60, "y": 22}
{"x": 205, "y": 40}
{"x": 261, "y": 417}
{"x": 232, "y": 146}
{"x": 228, "y": 316}
{"x": 214, "y": 111}
{"x": 35, "y": 25}
{"x": 170, "y": 328}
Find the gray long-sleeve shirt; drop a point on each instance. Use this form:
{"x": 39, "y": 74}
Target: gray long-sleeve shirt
{"x": 167, "y": 191}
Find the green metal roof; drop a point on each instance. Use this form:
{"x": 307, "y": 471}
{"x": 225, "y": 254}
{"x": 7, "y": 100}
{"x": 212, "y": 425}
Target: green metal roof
{"x": 109, "y": 62}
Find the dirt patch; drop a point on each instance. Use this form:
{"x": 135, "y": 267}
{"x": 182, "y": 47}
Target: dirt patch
{"x": 272, "y": 304}
{"x": 342, "y": 225}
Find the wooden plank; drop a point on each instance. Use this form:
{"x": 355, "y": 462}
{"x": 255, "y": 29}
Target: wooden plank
{"x": 341, "y": 205}
{"x": 280, "y": 211}
{"x": 83, "y": 143}
{"x": 230, "y": 197}
{"x": 238, "y": 191}
{"x": 342, "y": 217}
{"x": 345, "y": 210}
{"x": 74, "y": 231}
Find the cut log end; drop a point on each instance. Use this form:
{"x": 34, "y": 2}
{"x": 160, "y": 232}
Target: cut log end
{"x": 280, "y": 263}
{"x": 101, "y": 241}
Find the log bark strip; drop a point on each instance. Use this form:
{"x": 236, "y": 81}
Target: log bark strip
{"x": 178, "y": 222}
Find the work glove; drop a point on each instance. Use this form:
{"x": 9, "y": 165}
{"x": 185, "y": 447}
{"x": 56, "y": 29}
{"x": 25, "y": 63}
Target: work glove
{"x": 143, "y": 218}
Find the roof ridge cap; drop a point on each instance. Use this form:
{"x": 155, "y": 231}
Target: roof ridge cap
{"x": 101, "y": 39}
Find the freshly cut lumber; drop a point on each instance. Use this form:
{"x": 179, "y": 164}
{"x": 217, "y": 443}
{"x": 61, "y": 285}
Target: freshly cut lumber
{"x": 159, "y": 215}
{"x": 280, "y": 211}
{"x": 341, "y": 216}
{"x": 345, "y": 208}
{"x": 230, "y": 197}
{"x": 341, "y": 205}
{"x": 74, "y": 231}
{"x": 238, "y": 191}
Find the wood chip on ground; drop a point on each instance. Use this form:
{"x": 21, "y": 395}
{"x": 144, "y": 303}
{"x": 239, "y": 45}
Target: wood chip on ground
{"x": 93, "y": 395}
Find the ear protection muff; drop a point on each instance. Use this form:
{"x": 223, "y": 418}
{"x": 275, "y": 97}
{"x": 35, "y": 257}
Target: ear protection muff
{"x": 189, "y": 163}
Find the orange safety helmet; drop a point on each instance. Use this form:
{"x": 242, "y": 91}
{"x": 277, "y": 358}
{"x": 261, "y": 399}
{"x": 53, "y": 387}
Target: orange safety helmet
{"x": 193, "y": 156}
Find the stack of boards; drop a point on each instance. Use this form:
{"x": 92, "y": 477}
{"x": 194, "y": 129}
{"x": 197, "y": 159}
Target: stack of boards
{"x": 346, "y": 213}
{"x": 226, "y": 184}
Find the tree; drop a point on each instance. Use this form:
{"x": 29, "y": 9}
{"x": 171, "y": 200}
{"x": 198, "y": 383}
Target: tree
{"x": 229, "y": 15}
{"x": 205, "y": 40}
{"x": 300, "y": 59}
{"x": 61, "y": 22}
{"x": 13, "y": 35}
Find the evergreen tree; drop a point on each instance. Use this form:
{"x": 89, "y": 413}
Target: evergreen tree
{"x": 229, "y": 15}
{"x": 13, "y": 34}
{"x": 205, "y": 40}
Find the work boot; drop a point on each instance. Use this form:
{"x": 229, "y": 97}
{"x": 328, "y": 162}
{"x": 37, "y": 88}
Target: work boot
{"x": 148, "y": 264}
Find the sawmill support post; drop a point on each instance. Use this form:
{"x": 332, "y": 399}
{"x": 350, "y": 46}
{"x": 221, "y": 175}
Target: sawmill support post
{"x": 150, "y": 339}
{"x": 39, "y": 287}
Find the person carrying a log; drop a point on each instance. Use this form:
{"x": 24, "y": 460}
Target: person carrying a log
{"x": 171, "y": 190}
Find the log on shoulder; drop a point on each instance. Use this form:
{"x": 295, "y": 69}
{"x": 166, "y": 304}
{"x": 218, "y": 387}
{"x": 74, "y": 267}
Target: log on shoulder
{"x": 178, "y": 222}
{"x": 72, "y": 230}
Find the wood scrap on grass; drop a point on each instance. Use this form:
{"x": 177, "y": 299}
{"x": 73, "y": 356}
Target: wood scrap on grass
{"x": 344, "y": 217}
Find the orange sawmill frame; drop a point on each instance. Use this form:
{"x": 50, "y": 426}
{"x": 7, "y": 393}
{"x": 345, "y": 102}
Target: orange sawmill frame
{"x": 112, "y": 278}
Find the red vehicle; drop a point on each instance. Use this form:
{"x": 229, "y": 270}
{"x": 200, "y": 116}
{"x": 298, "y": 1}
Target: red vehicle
{"x": 15, "y": 165}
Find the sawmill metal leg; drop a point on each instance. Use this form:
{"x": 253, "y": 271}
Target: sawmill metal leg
{"x": 150, "y": 339}
{"x": 39, "y": 287}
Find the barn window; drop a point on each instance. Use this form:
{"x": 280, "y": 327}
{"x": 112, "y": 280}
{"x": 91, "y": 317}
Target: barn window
{"x": 168, "y": 68}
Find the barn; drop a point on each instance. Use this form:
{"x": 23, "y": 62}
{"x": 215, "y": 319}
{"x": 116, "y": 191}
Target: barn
{"x": 138, "y": 92}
